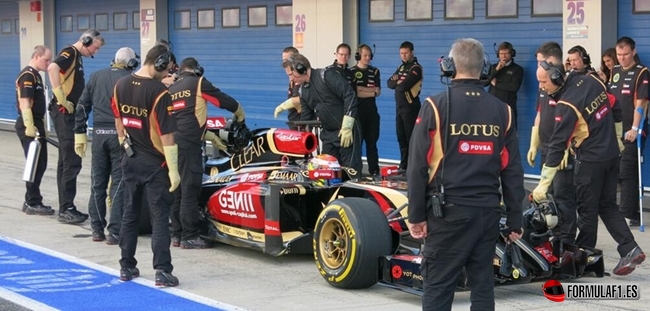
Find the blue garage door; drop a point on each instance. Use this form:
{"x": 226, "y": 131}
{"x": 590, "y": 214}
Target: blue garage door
{"x": 108, "y": 17}
{"x": 242, "y": 61}
{"x": 434, "y": 38}
{"x": 10, "y": 51}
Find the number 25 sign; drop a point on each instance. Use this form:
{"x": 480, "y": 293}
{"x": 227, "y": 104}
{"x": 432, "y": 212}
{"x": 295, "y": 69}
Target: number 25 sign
{"x": 576, "y": 10}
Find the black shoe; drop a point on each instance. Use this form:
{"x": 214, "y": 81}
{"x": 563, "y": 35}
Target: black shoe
{"x": 98, "y": 235}
{"x": 165, "y": 279}
{"x": 72, "y": 216}
{"x": 39, "y": 209}
{"x": 196, "y": 243}
{"x": 112, "y": 239}
{"x": 176, "y": 241}
{"x": 635, "y": 223}
{"x": 628, "y": 263}
{"x": 128, "y": 274}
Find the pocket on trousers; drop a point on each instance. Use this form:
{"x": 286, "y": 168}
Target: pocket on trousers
{"x": 454, "y": 216}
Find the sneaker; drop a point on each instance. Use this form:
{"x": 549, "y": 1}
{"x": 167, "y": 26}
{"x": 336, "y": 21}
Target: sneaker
{"x": 165, "y": 279}
{"x": 176, "y": 241}
{"x": 196, "y": 243}
{"x": 112, "y": 239}
{"x": 39, "y": 209}
{"x": 128, "y": 274}
{"x": 635, "y": 223}
{"x": 72, "y": 216}
{"x": 98, "y": 235}
{"x": 628, "y": 263}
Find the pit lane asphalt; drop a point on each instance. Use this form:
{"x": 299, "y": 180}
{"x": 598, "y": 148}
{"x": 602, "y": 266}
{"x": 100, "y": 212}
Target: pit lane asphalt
{"x": 253, "y": 280}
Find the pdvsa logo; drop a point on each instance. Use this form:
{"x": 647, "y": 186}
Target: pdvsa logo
{"x": 133, "y": 123}
{"x": 475, "y": 147}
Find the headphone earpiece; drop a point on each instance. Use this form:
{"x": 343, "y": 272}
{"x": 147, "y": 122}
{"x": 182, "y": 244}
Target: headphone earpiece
{"x": 357, "y": 55}
{"x": 297, "y": 66}
{"x": 132, "y": 64}
{"x": 87, "y": 41}
{"x": 508, "y": 46}
{"x": 198, "y": 71}
{"x": 557, "y": 78}
{"x": 448, "y": 69}
{"x": 162, "y": 62}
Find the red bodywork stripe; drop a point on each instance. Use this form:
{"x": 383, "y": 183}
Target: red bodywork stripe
{"x": 385, "y": 207}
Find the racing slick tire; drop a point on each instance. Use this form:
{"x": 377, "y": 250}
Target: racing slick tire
{"x": 350, "y": 236}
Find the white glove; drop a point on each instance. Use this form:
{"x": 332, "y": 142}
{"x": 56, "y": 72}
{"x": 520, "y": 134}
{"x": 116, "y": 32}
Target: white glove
{"x": 285, "y": 105}
{"x": 346, "y": 131}
{"x": 548, "y": 173}
{"x": 171, "y": 157}
{"x": 216, "y": 141}
{"x": 534, "y": 145}
{"x": 80, "y": 143}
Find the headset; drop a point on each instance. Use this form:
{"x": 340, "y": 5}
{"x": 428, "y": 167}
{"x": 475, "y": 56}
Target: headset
{"x": 505, "y": 45}
{"x": 357, "y": 55}
{"x": 297, "y": 66}
{"x": 586, "y": 59}
{"x": 198, "y": 70}
{"x": 87, "y": 40}
{"x": 557, "y": 78}
{"x": 448, "y": 69}
{"x": 162, "y": 62}
{"x": 133, "y": 63}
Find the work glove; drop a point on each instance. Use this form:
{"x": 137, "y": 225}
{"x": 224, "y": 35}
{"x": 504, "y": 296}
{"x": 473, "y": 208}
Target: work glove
{"x": 565, "y": 160}
{"x": 346, "y": 132}
{"x": 216, "y": 141}
{"x": 121, "y": 139}
{"x": 534, "y": 145}
{"x": 80, "y": 143}
{"x": 171, "y": 157}
{"x": 619, "y": 135}
{"x": 62, "y": 101}
{"x": 539, "y": 194}
{"x": 286, "y": 105}
{"x": 28, "y": 120}
{"x": 239, "y": 115}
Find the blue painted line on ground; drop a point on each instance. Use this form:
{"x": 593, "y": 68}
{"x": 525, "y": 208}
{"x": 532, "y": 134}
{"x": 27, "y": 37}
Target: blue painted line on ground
{"x": 35, "y": 276}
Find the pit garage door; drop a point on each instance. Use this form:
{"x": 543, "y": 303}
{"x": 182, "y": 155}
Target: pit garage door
{"x": 10, "y": 49}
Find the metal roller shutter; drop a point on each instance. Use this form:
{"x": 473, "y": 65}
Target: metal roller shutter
{"x": 10, "y": 50}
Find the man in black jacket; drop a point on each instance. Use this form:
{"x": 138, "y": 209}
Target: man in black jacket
{"x": 506, "y": 77}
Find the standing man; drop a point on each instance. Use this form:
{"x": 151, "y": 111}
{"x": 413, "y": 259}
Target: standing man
{"x": 30, "y": 101}
{"x": 172, "y": 74}
{"x": 585, "y": 119}
{"x": 190, "y": 95}
{"x": 367, "y": 84}
{"x": 464, "y": 236}
{"x": 143, "y": 110}
{"x": 340, "y": 64}
{"x": 328, "y": 96}
{"x": 67, "y": 79}
{"x": 506, "y": 77}
{"x": 580, "y": 60}
{"x": 407, "y": 83}
{"x": 629, "y": 84}
{"x": 106, "y": 150}
{"x": 292, "y": 104}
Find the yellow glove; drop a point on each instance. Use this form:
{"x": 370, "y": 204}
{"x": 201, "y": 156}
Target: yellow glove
{"x": 28, "y": 120}
{"x": 61, "y": 100}
{"x": 565, "y": 160}
{"x": 216, "y": 141}
{"x": 80, "y": 143}
{"x": 171, "y": 157}
{"x": 539, "y": 194}
{"x": 619, "y": 135}
{"x": 534, "y": 145}
{"x": 346, "y": 131}
{"x": 121, "y": 139}
{"x": 286, "y": 105}
{"x": 239, "y": 115}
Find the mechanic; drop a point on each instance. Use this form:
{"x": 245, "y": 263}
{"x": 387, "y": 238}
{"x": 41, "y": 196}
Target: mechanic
{"x": 142, "y": 108}
{"x": 30, "y": 95}
{"x": 407, "y": 83}
{"x": 292, "y": 104}
{"x": 629, "y": 84}
{"x": 340, "y": 64}
{"x": 367, "y": 84}
{"x": 562, "y": 187}
{"x": 67, "y": 78}
{"x": 172, "y": 74}
{"x": 580, "y": 60}
{"x": 505, "y": 77}
{"x": 585, "y": 119}
{"x": 478, "y": 162}
{"x": 106, "y": 150}
{"x": 326, "y": 95}
{"x": 190, "y": 95}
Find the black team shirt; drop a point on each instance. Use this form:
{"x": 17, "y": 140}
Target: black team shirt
{"x": 30, "y": 85}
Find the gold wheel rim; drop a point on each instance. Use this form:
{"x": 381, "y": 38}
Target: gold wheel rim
{"x": 333, "y": 243}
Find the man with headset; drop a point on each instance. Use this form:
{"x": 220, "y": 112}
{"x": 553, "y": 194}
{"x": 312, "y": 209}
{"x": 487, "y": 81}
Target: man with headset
{"x": 106, "y": 150}
{"x": 190, "y": 96}
{"x": 580, "y": 60}
{"x": 67, "y": 80}
{"x": 367, "y": 83}
{"x": 143, "y": 109}
{"x": 458, "y": 211}
{"x": 328, "y": 96}
{"x": 505, "y": 77}
{"x": 585, "y": 116}
{"x": 292, "y": 104}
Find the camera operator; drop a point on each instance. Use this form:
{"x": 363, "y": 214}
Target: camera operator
{"x": 459, "y": 212}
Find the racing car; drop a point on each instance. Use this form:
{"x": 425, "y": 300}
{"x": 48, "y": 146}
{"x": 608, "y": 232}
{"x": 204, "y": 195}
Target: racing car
{"x": 271, "y": 193}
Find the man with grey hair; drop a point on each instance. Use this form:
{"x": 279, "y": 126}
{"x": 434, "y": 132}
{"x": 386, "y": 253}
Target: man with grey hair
{"x": 106, "y": 150}
{"x": 469, "y": 133}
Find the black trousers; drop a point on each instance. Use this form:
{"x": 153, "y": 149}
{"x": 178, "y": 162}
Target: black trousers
{"x": 348, "y": 157}
{"x": 404, "y": 122}
{"x": 564, "y": 194}
{"x": 630, "y": 180}
{"x": 139, "y": 174}
{"x": 465, "y": 237}
{"x": 69, "y": 164}
{"x": 33, "y": 189}
{"x": 185, "y": 210}
{"x": 596, "y": 196}
{"x": 106, "y": 165}
{"x": 369, "y": 121}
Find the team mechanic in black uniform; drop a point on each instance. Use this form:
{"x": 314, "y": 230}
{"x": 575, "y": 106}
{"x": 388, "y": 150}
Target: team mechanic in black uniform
{"x": 30, "y": 103}
{"x": 629, "y": 83}
{"x": 143, "y": 109}
{"x": 106, "y": 150}
{"x": 326, "y": 95}
{"x": 585, "y": 120}
{"x": 190, "y": 96}
{"x": 367, "y": 84}
{"x": 407, "y": 83}
{"x": 67, "y": 79}
{"x": 481, "y": 155}
{"x": 292, "y": 104}
{"x": 340, "y": 64}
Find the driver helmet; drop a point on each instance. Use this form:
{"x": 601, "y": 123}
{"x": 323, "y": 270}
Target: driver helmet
{"x": 325, "y": 164}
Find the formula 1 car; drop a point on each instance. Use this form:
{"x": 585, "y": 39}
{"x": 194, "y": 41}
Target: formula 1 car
{"x": 269, "y": 192}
